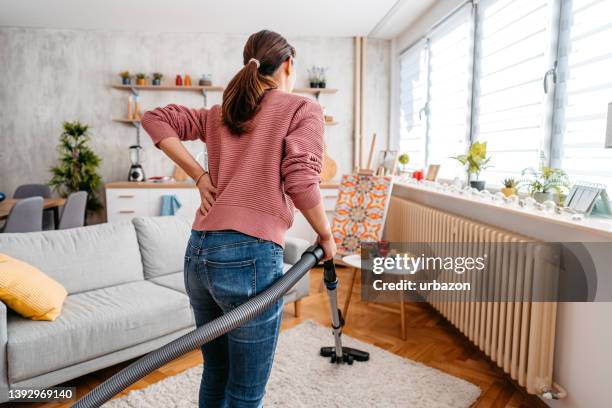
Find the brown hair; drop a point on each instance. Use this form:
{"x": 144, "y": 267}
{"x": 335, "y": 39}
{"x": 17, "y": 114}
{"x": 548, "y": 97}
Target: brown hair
{"x": 244, "y": 92}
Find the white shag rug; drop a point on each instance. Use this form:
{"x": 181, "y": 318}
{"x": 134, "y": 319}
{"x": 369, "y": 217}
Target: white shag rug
{"x": 301, "y": 378}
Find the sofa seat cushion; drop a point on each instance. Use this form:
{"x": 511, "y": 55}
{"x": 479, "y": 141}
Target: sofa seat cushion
{"x": 174, "y": 281}
{"x": 93, "y": 324}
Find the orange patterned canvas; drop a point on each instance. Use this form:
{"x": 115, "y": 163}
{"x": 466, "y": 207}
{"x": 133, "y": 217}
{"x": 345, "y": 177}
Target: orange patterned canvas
{"x": 360, "y": 211}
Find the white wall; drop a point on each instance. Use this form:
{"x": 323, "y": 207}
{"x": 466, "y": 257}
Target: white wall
{"x": 583, "y": 362}
{"x": 49, "y": 76}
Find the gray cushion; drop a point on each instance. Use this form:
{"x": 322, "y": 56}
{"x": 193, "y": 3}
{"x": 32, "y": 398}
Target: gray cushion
{"x": 175, "y": 281}
{"x": 81, "y": 259}
{"x": 294, "y": 248}
{"x": 93, "y": 324}
{"x": 162, "y": 243}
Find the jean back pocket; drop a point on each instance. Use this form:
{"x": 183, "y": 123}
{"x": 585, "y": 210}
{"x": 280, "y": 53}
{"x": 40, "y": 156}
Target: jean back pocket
{"x": 231, "y": 283}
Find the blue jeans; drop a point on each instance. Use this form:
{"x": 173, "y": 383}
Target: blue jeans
{"x": 223, "y": 269}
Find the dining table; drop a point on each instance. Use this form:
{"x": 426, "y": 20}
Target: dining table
{"x": 48, "y": 204}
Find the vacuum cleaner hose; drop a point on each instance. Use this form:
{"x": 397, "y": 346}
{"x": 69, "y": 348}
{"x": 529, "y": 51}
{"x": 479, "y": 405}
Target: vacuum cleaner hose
{"x": 202, "y": 335}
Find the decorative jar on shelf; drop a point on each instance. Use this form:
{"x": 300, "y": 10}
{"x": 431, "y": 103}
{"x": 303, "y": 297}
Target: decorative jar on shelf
{"x": 541, "y": 197}
{"x": 205, "y": 80}
{"x": 187, "y": 81}
{"x": 140, "y": 79}
{"x": 178, "y": 81}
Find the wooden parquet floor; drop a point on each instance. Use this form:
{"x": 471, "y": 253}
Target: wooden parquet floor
{"x": 431, "y": 340}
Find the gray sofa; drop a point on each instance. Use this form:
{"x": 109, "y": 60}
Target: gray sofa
{"x": 126, "y": 298}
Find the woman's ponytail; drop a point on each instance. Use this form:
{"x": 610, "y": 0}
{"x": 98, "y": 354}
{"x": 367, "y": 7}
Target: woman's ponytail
{"x": 243, "y": 94}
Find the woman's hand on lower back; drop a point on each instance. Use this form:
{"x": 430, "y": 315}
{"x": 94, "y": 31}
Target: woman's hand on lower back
{"x": 328, "y": 245}
{"x": 208, "y": 193}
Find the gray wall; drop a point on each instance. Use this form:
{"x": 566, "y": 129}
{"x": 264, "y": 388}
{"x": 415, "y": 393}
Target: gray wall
{"x": 49, "y": 76}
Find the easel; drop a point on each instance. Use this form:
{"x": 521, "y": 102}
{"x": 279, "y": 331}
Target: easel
{"x": 368, "y": 171}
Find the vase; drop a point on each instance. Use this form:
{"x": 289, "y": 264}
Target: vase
{"x": 178, "y": 81}
{"x": 477, "y": 184}
{"x": 314, "y": 84}
{"x": 187, "y": 81}
{"x": 126, "y": 81}
{"x": 322, "y": 84}
{"x": 508, "y": 191}
{"x": 540, "y": 197}
{"x": 140, "y": 81}
{"x": 156, "y": 81}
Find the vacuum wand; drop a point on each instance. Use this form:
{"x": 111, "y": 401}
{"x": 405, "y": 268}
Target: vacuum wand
{"x": 337, "y": 353}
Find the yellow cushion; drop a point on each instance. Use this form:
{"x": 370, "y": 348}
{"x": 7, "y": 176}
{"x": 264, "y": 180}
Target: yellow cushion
{"x": 28, "y": 291}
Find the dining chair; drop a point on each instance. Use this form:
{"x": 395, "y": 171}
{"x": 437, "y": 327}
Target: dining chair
{"x": 25, "y": 216}
{"x": 73, "y": 213}
{"x": 37, "y": 190}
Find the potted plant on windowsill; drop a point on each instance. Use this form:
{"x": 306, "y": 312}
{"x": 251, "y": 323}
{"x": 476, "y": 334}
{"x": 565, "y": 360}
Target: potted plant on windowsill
{"x": 403, "y": 159}
{"x": 157, "y": 78}
{"x": 475, "y": 161}
{"x": 546, "y": 184}
{"x": 509, "y": 188}
{"x": 126, "y": 78}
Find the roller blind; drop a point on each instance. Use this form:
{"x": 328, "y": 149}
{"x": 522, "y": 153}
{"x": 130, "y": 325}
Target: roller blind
{"x": 585, "y": 89}
{"x": 450, "y": 71}
{"x": 509, "y": 100}
{"x": 413, "y": 99}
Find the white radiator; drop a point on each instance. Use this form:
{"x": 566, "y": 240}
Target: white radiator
{"x": 518, "y": 335}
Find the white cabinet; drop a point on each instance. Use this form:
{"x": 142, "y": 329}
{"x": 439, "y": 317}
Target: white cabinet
{"x": 124, "y": 202}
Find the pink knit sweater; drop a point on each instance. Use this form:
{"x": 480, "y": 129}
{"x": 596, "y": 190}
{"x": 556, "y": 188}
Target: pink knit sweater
{"x": 259, "y": 175}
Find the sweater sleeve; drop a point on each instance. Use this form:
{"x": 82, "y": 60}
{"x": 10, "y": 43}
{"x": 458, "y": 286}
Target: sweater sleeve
{"x": 175, "y": 121}
{"x": 303, "y": 156}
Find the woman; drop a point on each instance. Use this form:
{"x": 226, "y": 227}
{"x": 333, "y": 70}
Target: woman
{"x": 265, "y": 148}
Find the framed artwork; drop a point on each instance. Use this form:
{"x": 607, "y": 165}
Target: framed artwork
{"x": 387, "y": 159}
{"x": 360, "y": 211}
{"x": 586, "y": 197}
{"x": 432, "y": 172}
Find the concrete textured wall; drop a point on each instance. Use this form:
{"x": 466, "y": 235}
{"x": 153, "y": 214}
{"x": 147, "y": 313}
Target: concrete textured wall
{"x": 53, "y": 75}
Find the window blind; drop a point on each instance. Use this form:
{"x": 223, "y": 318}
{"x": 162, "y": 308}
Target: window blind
{"x": 413, "y": 99}
{"x": 512, "y": 39}
{"x": 450, "y": 71}
{"x": 585, "y": 89}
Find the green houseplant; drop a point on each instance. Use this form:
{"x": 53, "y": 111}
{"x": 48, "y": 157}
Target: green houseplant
{"x": 510, "y": 185}
{"x": 546, "y": 183}
{"x": 403, "y": 159}
{"x": 126, "y": 78}
{"x": 475, "y": 161}
{"x": 77, "y": 169}
{"x": 157, "y": 77}
{"x": 140, "y": 78}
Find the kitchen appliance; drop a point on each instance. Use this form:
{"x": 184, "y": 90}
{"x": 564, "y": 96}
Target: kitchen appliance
{"x": 136, "y": 172}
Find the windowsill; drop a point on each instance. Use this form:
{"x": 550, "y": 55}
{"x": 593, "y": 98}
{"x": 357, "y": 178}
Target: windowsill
{"x": 532, "y": 223}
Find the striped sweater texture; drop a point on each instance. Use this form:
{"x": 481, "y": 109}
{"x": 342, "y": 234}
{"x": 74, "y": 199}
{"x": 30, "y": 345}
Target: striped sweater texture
{"x": 260, "y": 175}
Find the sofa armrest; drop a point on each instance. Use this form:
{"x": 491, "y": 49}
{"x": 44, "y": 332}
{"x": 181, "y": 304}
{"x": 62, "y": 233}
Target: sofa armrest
{"x": 3, "y": 357}
{"x": 294, "y": 248}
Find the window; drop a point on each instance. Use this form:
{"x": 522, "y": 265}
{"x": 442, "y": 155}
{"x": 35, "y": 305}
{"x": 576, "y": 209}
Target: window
{"x": 532, "y": 78}
{"x": 584, "y": 91}
{"x": 513, "y": 36}
{"x": 448, "y": 110}
{"x": 413, "y": 99}
{"x": 434, "y": 89}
